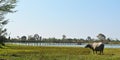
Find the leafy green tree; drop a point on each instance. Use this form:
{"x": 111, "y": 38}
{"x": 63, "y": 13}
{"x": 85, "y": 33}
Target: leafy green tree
{"x": 23, "y": 38}
{"x": 31, "y": 38}
{"x": 101, "y": 37}
{"x": 36, "y": 37}
{"x": 6, "y": 6}
{"x": 63, "y": 37}
{"x": 88, "y": 38}
{"x": 109, "y": 39}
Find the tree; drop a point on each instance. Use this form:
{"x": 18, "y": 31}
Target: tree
{"x": 6, "y": 6}
{"x": 63, "y": 37}
{"x": 23, "y": 38}
{"x": 109, "y": 39}
{"x": 30, "y": 38}
{"x": 88, "y": 38}
{"x": 101, "y": 37}
{"x": 2, "y": 39}
{"x": 36, "y": 37}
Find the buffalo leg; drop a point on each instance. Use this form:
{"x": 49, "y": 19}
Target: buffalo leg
{"x": 96, "y": 52}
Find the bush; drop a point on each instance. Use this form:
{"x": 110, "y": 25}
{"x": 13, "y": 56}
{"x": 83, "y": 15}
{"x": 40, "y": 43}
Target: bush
{"x": 2, "y": 40}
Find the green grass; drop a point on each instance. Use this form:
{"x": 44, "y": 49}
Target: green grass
{"x": 16, "y": 52}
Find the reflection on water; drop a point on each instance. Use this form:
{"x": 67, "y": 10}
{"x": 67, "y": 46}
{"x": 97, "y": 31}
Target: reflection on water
{"x": 65, "y": 44}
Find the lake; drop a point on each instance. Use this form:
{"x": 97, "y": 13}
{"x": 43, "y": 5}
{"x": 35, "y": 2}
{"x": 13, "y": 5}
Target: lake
{"x": 65, "y": 44}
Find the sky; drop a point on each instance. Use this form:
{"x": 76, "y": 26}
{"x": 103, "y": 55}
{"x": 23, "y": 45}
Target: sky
{"x": 73, "y": 18}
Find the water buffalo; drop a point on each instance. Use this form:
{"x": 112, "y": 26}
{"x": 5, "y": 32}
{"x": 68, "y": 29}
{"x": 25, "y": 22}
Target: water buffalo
{"x": 96, "y": 47}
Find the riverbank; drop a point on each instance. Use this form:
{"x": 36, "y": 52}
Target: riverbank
{"x": 19, "y": 52}
{"x": 63, "y": 44}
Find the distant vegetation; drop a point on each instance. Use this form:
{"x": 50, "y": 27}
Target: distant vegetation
{"x": 64, "y": 39}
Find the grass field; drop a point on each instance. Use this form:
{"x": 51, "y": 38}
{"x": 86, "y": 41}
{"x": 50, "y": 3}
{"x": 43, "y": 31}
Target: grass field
{"x": 16, "y": 52}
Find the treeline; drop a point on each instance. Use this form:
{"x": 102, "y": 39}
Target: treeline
{"x": 64, "y": 39}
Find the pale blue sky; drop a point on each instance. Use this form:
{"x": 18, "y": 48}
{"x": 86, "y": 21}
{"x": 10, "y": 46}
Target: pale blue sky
{"x": 73, "y": 18}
